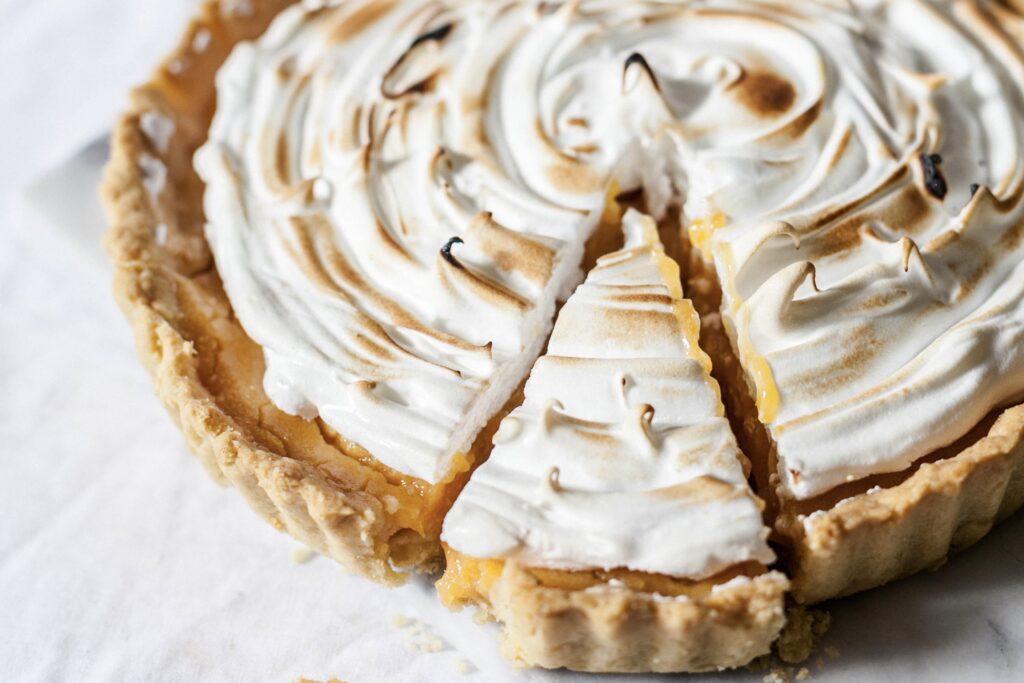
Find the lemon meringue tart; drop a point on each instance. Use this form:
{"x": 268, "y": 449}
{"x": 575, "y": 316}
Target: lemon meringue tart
{"x": 343, "y": 232}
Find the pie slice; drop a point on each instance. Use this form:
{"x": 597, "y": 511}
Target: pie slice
{"x": 612, "y": 528}
{"x": 871, "y": 336}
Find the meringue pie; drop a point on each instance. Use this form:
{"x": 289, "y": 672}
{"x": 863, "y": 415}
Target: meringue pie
{"x": 344, "y": 231}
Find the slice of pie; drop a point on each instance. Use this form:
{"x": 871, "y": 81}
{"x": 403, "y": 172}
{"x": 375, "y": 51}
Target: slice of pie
{"x": 873, "y": 299}
{"x": 612, "y": 528}
{"x": 341, "y": 232}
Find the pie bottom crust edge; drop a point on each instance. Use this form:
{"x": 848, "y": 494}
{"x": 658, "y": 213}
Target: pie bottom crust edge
{"x": 882, "y": 535}
{"x": 618, "y": 629}
{"x": 864, "y": 541}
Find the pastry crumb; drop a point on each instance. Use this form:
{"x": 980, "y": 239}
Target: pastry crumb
{"x": 302, "y": 555}
{"x": 463, "y": 666}
{"x": 802, "y": 633}
{"x": 432, "y": 645}
{"x": 832, "y": 652}
{"x": 276, "y": 523}
{"x": 420, "y": 637}
{"x": 400, "y": 621}
{"x": 803, "y": 674}
{"x": 776, "y": 675}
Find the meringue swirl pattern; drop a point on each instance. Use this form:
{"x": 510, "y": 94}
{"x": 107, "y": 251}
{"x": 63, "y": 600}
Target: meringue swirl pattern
{"x": 853, "y": 172}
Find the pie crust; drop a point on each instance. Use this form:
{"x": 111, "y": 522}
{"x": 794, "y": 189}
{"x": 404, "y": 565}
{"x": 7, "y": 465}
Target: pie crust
{"x": 613, "y": 627}
{"x": 309, "y": 481}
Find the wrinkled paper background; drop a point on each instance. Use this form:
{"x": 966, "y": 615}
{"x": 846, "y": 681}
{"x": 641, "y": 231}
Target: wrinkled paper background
{"x": 121, "y": 561}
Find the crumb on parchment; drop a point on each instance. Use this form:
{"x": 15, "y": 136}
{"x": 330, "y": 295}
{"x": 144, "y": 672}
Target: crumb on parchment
{"x": 802, "y": 633}
{"x": 302, "y": 555}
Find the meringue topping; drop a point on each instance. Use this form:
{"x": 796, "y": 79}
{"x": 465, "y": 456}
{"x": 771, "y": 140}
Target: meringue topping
{"x": 877, "y": 314}
{"x": 620, "y": 455}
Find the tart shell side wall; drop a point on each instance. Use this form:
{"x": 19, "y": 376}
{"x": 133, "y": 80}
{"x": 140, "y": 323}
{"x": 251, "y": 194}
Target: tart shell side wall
{"x": 622, "y": 630}
{"x": 886, "y": 534}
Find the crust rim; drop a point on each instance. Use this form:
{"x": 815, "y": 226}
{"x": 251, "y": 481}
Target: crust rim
{"x": 886, "y": 534}
{"x": 619, "y": 629}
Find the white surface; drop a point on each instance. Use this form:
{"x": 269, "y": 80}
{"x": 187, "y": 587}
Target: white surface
{"x": 120, "y": 560}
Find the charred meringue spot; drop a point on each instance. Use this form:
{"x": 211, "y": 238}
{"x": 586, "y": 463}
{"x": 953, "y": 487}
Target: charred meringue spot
{"x": 286, "y": 69}
{"x": 974, "y": 188}
{"x": 703, "y": 489}
{"x": 438, "y": 34}
{"x": 552, "y": 480}
{"x": 934, "y": 181}
{"x": 446, "y": 251}
{"x": 418, "y": 67}
{"x": 572, "y": 176}
{"x": 905, "y": 208}
{"x": 633, "y": 62}
{"x": 765, "y": 93}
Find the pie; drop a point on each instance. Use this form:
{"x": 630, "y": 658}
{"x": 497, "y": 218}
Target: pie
{"x": 343, "y": 233}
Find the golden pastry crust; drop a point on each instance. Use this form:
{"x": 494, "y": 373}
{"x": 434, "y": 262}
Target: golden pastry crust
{"x": 884, "y": 534}
{"x": 615, "y": 628}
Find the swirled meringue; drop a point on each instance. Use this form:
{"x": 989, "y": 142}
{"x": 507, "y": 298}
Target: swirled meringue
{"x": 620, "y": 455}
{"x": 874, "y": 298}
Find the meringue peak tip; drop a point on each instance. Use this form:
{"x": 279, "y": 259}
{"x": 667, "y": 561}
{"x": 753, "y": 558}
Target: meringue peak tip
{"x": 637, "y": 64}
{"x": 913, "y": 259}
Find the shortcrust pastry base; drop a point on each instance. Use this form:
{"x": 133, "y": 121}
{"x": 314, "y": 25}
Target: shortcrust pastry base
{"x": 881, "y": 528}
